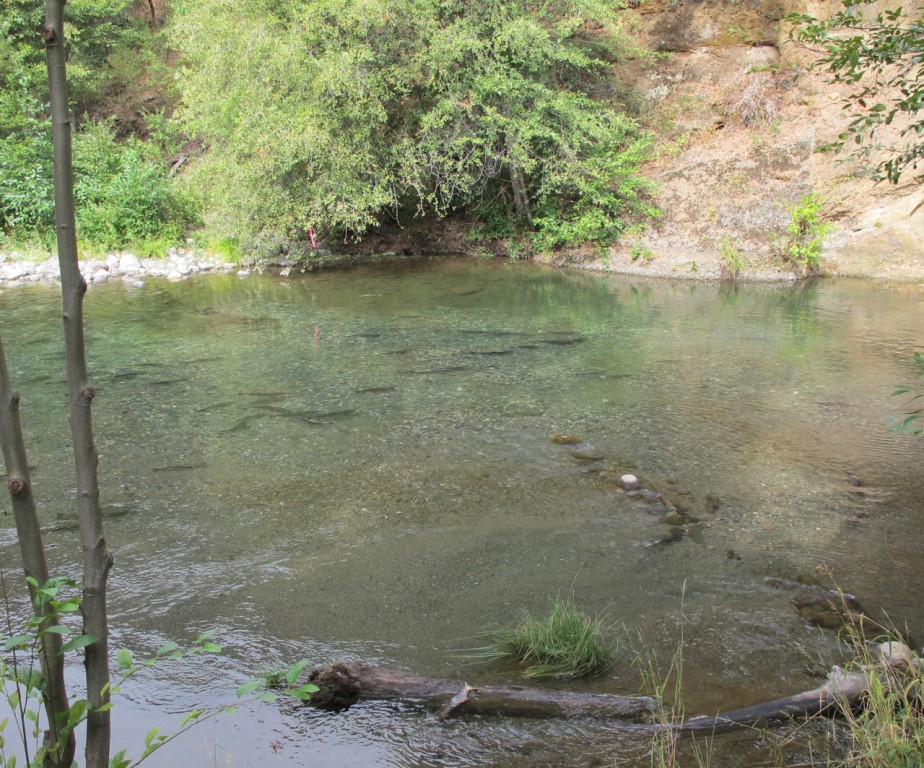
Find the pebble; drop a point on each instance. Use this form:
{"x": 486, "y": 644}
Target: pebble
{"x": 629, "y": 482}
{"x": 178, "y": 264}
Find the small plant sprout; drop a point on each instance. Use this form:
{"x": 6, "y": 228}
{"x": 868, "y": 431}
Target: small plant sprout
{"x": 807, "y": 232}
{"x": 733, "y": 260}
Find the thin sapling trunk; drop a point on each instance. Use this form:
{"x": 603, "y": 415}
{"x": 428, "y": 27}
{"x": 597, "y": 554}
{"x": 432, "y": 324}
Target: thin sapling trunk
{"x": 96, "y": 557}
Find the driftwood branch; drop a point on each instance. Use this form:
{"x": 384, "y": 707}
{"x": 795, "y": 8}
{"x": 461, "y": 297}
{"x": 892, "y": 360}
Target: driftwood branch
{"x": 344, "y": 684}
{"x": 842, "y": 688}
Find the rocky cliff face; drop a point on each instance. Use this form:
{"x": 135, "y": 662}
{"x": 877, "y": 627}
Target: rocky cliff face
{"x": 742, "y": 124}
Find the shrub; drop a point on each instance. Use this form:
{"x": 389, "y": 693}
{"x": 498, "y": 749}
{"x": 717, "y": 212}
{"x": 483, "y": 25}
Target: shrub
{"x": 123, "y": 196}
{"x": 26, "y": 190}
{"x": 332, "y": 114}
{"x": 807, "y": 232}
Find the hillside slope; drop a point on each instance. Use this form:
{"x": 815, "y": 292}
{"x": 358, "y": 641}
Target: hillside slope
{"x": 742, "y": 123}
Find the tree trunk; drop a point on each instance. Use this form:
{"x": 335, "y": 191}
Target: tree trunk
{"x": 518, "y": 184}
{"x": 343, "y": 684}
{"x": 60, "y": 752}
{"x": 96, "y": 557}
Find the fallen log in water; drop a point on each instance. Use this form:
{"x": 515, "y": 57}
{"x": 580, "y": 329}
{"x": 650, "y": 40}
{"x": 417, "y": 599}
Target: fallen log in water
{"x": 341, "y": 685}
{"x": 841, "y": 688}
{"x": 344, "y": 684}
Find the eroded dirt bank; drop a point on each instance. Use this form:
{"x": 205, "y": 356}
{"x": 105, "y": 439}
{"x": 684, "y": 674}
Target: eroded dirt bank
{"x": 742, "y": 124}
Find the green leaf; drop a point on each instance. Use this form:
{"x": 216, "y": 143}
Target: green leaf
{"x": 124, "y": 658}
{"x": 81, "y": 641}
{"x": 268, "y": 697}
{"x": 167, "y": 648}
{"x": 303, "y": 692}
{"x": 66, "y": 606}
{"x": 59, "y": 629}
{"x": 118, "y": 760}
{"x": 248, "y": 688}
{"x": 194, "y": 715}
{"x": 211, "y": 648}
{"x": 295, "y": 670}
{"x": 77, "y": 712}
{"x": 151, "y": 736}
{"x": 205, "y": 636}
{"x": 18, "y": 641}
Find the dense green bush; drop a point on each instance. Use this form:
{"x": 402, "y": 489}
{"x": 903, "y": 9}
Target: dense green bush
{"x": 123, "y": 194}
{"x": 336, "y": 114}
{"x": 26, "y": 193}
{"x": 123, "y": 191}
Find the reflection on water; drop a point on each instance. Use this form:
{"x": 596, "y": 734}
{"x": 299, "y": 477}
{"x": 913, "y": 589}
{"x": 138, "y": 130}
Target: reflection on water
{"x": 359, "y": 466}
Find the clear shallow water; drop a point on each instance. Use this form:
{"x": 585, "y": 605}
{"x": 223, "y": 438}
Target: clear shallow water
{"x": 358, "y": 465}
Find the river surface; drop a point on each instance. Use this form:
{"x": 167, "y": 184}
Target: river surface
{"x": 359, "y": 465}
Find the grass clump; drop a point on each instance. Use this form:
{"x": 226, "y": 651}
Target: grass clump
{"x": 887, "y": 730}
{"x": 564, "y": 643}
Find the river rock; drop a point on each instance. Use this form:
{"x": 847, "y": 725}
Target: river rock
{"x": 826, "y": 608}
{"x": 586, "y": 453}
{"x": 12, "y": 271}
{"x": 129, "y": 263}
{"x": 629, "y": 482}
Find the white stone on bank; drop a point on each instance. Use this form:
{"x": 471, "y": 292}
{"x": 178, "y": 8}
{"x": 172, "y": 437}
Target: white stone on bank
{"x": 179, "y": 264}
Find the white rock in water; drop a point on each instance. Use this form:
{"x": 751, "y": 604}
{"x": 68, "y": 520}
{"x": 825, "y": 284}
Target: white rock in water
{"x": 629, "y": 482}
{"x": 100, "y": 276}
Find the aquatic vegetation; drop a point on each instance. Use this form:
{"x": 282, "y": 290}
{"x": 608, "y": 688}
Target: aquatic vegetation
{"x": 565, "y": 643}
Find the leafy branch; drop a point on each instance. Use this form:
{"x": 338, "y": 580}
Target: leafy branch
{"x": 884, "y": 58}
{"x": 22, "y": 686}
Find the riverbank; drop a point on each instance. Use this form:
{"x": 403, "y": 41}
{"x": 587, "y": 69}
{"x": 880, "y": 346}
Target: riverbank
{"x": 866, "y": 253}
{"x": 17, "y": 268}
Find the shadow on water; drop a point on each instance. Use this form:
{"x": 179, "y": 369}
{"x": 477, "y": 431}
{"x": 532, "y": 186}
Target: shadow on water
{"x": 360, "y": 466}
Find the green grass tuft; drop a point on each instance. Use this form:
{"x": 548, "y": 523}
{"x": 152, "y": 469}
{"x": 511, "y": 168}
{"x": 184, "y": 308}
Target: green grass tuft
{"x": 565, "y": 643}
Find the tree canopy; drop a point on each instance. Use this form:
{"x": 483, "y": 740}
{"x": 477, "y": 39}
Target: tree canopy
{"x": 334, "y": 115}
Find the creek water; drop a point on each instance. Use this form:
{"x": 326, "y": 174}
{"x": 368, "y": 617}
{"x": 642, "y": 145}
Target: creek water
{"x": 359, "y": 466}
